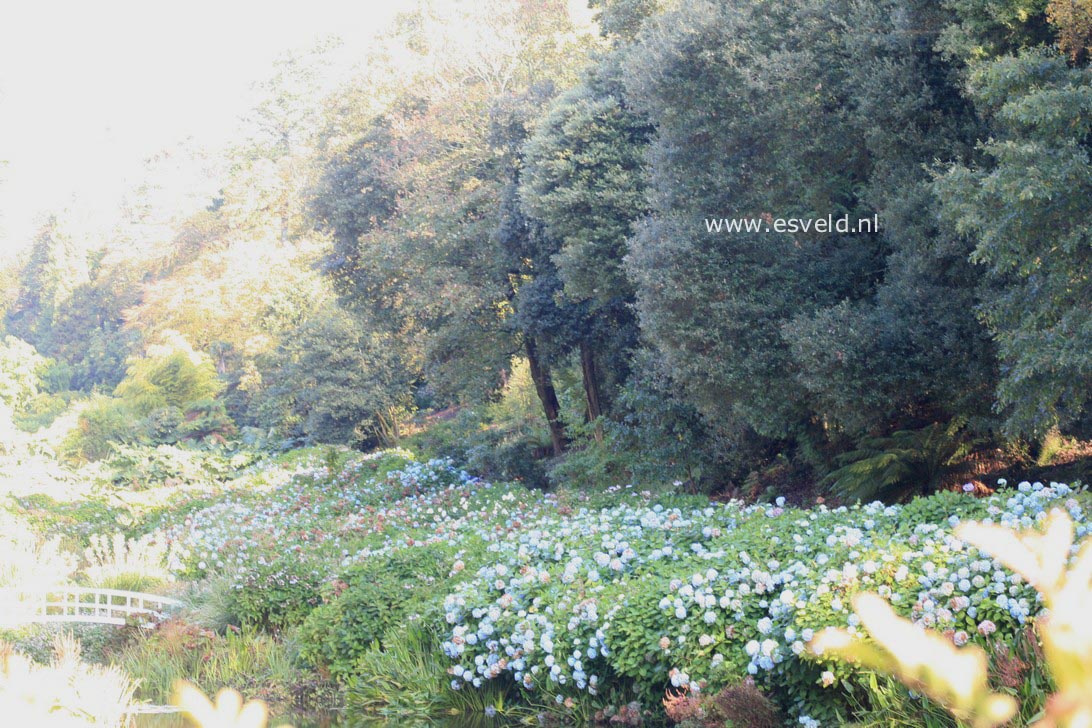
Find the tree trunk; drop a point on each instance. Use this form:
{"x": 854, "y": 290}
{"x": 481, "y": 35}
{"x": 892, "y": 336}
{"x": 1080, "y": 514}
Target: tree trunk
{"x": 591, "y": 387}
{"x": 387, "y": 428}
{"x": 544, "y": 385}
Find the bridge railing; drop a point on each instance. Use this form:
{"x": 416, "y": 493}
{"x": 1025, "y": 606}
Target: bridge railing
{"x": 82, "y": 604}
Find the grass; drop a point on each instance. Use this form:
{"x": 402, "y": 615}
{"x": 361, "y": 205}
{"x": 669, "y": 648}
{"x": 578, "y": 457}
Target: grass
{"x": 883, "y": 702}
{"x": 408, "y": 680}
{"x": 257, "y": 665}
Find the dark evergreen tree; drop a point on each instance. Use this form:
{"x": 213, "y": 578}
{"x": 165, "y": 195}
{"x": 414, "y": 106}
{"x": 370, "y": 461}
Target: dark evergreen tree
{"x": 1026, "y": 207}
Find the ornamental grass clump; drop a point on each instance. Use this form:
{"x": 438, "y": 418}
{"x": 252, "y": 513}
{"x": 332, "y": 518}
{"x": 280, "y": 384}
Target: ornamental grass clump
{"x": 135, "y": 564}
{"x": 66, "y": 693}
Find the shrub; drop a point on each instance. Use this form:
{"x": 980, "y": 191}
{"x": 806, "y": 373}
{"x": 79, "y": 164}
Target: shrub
{"x": 211, "y": 604}
{"x": 736, "y": 706}
{"x": 1045, "y": 557}
{"x": 717, "y": 594}
{"x": 172, "y": 375}
{"x": 900, "y": 464}
{"x": 651, "y": 440}
{"x": 744, "y": 705}
{"x": 143, "y": 466}
{"x": 277, "y": 595}
{"x": 504, "y": 440}
{"x": 42, "y": 410}
{"x": 166, "y": 396}
{"x": 592, "y": 599}
{"x": 367, "y": 601}
{"x": 593, "y": 463}
{"x": 207, "y": 418}
{"x": 102, "y": 422}
{"x": 499, "y": 460}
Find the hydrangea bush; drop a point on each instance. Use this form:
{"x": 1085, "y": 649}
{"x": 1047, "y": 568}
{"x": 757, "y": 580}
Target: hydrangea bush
{"x": 581, "y": 598}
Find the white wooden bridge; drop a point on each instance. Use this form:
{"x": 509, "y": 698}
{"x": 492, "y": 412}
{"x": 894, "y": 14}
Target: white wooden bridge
{"x": 83, "y": 604}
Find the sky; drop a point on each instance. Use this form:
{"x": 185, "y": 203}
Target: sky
{"x": 90, "y": 89}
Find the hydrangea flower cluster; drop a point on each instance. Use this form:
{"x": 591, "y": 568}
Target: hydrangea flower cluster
{"x": 321, "y": 515}
{"x": 556, "y": 604}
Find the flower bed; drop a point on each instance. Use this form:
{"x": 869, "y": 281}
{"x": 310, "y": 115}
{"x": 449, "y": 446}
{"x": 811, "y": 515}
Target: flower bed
{"x": 577, "y": 600}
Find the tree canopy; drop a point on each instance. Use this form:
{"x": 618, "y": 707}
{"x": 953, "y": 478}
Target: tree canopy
{"x": 502, "y": 188}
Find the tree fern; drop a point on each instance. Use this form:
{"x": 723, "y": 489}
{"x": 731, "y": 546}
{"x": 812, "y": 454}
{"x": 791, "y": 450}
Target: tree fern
{"x": 895, "y": 466}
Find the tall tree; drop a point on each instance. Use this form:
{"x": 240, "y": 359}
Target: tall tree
{"x": 750, "y": 116}
{"x": 584, "y": 177}
{"x": 56, "y": 267}
{"x": 333, "y": 380}
{"x": 804, "y": 109}
{"x": 1026, "y": 206}
{"x": 425, "y": 186}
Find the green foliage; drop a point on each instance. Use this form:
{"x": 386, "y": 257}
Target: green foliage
{"x": 210, "y": 603}
{"x": 73, "y": 521}
{"x": 974, "y": 686}
{"x": 337, "y": 381}
{"x": 143, "y": 466}
{"x": 585, "y": 179}
{"x": 277, "y": 595}
{"x": 166, "y": 396}
{"x": 102, "y": 423}
{"x": 505, "y": 439}
{"x": 905, "y": 462}
{"x": 43, "y": 410}
{"x": 20, "y": 366}
{"x": 984, "y": 29}
{"x": 715, "y": 304}
{"x": 407, "y": 680}
{"x": 593, "y": 461}
{"x": 499, "y": 183}
{"x": 368, "y": 601}
{"x": 779, "y": 333}
{"x": 939, "y": 506}
{"x": 206, "y": 419}
{"x": 501, "y": 459}
{"x": 55, "y": 268}
{"x": 88, "y": 337}
{"x": 505, "y": 219}
{"x": 172, "y": 375}
{"x": 652, "y": 440}
{"x": 1051, "y": 446}
{"x": 637, "y": 654}
{"x": 256, "y": 664}
{"x": 1025, "y": 204}
{"x": 880, "y": 701}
